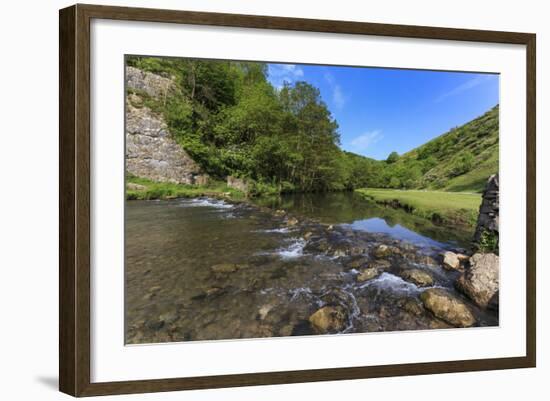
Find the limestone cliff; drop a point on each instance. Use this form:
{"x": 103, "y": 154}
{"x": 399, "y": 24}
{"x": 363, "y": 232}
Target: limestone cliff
{"x": 151, "y": 152}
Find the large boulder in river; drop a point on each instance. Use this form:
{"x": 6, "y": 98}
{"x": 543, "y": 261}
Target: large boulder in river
{"x": 447, "y": 307}
{"x": 417, "y": 276}
{"x": 480, "y": 282}
{"x": 329, "y": 319}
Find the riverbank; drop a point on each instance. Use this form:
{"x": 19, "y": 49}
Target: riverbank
{"x": 440, "y": 207}
{"x": 144, "y": 189}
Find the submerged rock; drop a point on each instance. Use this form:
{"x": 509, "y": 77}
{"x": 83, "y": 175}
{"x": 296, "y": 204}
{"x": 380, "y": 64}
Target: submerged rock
{"x": 368, "y": 274}
{"x": 292, "y": 221}
{"x": 319, "y": 245}
{"x": 382, "y": 251}
{"x": 480, "y": 282}
{"x": 417, "y": 276}
{"x": 337, "y": 297}
{"x": 357, "y": 263}
{"x": 227, "y": 267}
{"x": 413, "y": 306}
{"x": 355, "y": 250}
{"x": 344, "y": 247}
{"x": 421, "y": 258}
{"x": 286, "y": 330}
{"x": 209, "y": 292}
{"x": 329, "y": 319}
{"x": 380, "y": 264}
{"x": 339, "y": 251}
{"x": 451, "y": 261}
{"x": 447, "y": 307}
{"x": 264, "y": 310}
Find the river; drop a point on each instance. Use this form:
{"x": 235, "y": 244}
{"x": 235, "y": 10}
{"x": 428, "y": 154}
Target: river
{"x": 206, "y": 269}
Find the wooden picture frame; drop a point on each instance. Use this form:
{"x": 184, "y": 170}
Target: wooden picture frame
{"x": 74, "y": 203}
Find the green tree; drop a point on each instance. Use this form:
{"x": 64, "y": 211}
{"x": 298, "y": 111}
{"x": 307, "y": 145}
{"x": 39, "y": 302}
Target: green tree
{"x": 392, "y": 157}
{"x": 394, "y": 182}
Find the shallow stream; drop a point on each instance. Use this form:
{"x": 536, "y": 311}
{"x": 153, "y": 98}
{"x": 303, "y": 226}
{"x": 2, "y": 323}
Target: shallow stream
{"x": 206, "y": 269}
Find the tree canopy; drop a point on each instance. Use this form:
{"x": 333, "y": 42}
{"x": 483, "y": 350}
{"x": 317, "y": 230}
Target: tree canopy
{"x": 232, "y": 121}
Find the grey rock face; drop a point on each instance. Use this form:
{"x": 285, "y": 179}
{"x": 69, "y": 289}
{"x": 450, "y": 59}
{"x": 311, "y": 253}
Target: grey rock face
{"x": 152, "y": 84}
{"x": 237, "y": 183}
{"x": 488, "y": 211}
{"x": 150, "y": 150}
{"x": 481, "y": 280}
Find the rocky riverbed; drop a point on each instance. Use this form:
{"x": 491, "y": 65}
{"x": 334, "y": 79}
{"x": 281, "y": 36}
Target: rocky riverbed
{"x": 205, "y": 269}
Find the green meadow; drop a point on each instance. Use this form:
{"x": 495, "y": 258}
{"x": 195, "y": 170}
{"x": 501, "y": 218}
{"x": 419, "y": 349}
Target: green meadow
{"x": 438, "y": 206}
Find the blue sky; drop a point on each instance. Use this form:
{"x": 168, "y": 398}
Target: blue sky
{"x": 381, "y": 110}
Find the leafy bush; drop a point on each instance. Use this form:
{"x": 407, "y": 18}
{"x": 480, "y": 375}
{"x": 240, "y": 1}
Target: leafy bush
{"x": 462, "y": 165}
{"x": 488, "y": 241}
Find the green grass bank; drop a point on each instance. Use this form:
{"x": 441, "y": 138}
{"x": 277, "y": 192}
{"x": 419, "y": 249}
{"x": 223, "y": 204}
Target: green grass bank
{"x": 144, "y": 189}
{"x": 441, "y": 207}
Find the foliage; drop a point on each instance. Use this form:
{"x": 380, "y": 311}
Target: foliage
{"x": 392, "y": 157}
{"x": 441, "y": 207}
{"x": 488, "y": 242}
{"x": 232, "y": 121}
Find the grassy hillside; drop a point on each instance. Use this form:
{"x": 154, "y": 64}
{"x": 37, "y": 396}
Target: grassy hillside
{"x": 459, "y": 160}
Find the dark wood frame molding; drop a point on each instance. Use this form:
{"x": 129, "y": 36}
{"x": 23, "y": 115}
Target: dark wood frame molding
{"x": 74, "y": 199}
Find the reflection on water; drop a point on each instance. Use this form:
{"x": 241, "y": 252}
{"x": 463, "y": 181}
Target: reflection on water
{"x": 361, "y": 214}
{"x": 204, "y": 269}
{"x": 379, "y": 225}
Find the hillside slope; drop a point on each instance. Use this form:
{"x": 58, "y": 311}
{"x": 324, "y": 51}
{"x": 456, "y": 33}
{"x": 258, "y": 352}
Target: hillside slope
{"x": 459, "y": 160}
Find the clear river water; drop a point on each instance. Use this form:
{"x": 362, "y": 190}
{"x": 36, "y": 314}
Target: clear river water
{"x": 207, "y": 269}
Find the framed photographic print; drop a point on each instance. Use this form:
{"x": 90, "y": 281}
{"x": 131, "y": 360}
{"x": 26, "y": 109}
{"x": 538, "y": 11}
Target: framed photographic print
{"x": 250, "y": 200}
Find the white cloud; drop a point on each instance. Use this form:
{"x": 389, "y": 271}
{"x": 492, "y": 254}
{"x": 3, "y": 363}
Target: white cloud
{"x": 281, "y": 73}
{"x": 338, "y": 97}
{"x": 364, "y": 141}
{"x": 472, "y": 83}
